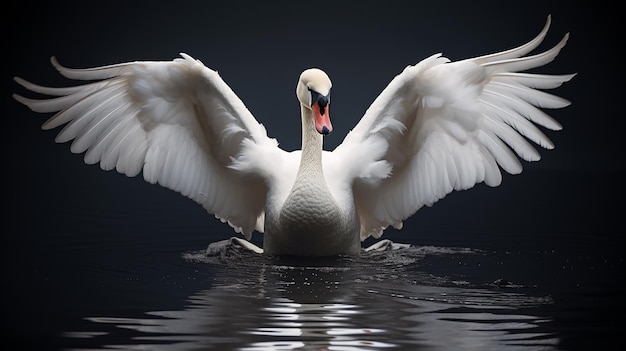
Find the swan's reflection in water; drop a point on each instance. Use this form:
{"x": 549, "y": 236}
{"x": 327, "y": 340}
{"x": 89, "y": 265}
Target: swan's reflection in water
{"x": 369, "y": 303}
{"x": 325, "y": 326}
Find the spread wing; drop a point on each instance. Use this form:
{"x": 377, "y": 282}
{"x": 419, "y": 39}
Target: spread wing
{"x": 178, "y": 121}
{"x": 441, "y": 126}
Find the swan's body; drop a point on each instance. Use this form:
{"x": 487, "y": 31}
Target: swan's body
{"x": 438, "y": 126}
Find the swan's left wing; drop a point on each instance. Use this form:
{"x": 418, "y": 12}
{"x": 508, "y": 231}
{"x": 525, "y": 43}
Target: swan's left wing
{"x": 441, "y": 126}
{"x": 177, "y": 121}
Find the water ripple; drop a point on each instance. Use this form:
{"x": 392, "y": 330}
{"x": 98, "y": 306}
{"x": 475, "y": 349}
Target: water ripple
{"x": 372, "y": 302}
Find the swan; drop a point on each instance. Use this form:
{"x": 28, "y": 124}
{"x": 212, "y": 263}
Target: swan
{"x": 437, "y": 127}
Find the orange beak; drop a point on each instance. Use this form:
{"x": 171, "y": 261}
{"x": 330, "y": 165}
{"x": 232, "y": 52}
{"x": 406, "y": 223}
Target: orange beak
{"x": 322, "y": 119}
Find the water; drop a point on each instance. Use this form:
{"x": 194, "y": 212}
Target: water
{"x": 419, "y": 298}
{"x": 377, "y": 301}
{"x": 131, "y": 278}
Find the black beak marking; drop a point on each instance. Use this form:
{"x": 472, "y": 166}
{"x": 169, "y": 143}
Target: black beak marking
{"x": 322, "y": 100}
{"x": 322, "y": 108}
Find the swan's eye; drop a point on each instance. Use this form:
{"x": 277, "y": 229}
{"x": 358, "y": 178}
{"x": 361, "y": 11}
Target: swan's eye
{"x": 314, "y": 96}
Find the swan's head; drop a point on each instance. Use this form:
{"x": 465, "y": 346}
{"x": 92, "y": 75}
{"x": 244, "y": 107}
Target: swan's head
{"x": 313, "y": 91}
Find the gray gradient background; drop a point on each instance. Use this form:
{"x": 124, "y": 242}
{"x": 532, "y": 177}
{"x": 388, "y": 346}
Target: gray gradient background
{"x": 260, "y": 50}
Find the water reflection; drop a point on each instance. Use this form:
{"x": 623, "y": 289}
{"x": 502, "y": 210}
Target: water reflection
{"x": 369, "y": 303}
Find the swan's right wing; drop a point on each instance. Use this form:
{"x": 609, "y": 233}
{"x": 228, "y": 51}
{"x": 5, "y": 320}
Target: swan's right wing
{"x": 178, "y": 121}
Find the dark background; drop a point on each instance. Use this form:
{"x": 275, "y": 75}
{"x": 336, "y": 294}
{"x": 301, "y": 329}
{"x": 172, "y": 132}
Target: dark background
{"x": 260, "y": 48}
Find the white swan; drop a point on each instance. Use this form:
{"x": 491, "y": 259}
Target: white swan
{"x": 438, "y": 126}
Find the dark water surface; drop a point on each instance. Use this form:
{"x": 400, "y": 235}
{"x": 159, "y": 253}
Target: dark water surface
{"x": 132, "y": 278}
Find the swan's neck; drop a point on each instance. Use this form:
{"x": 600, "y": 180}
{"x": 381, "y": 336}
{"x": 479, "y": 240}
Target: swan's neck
{"x": 312, "y": 142}
{"x": 310, "y": 221}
